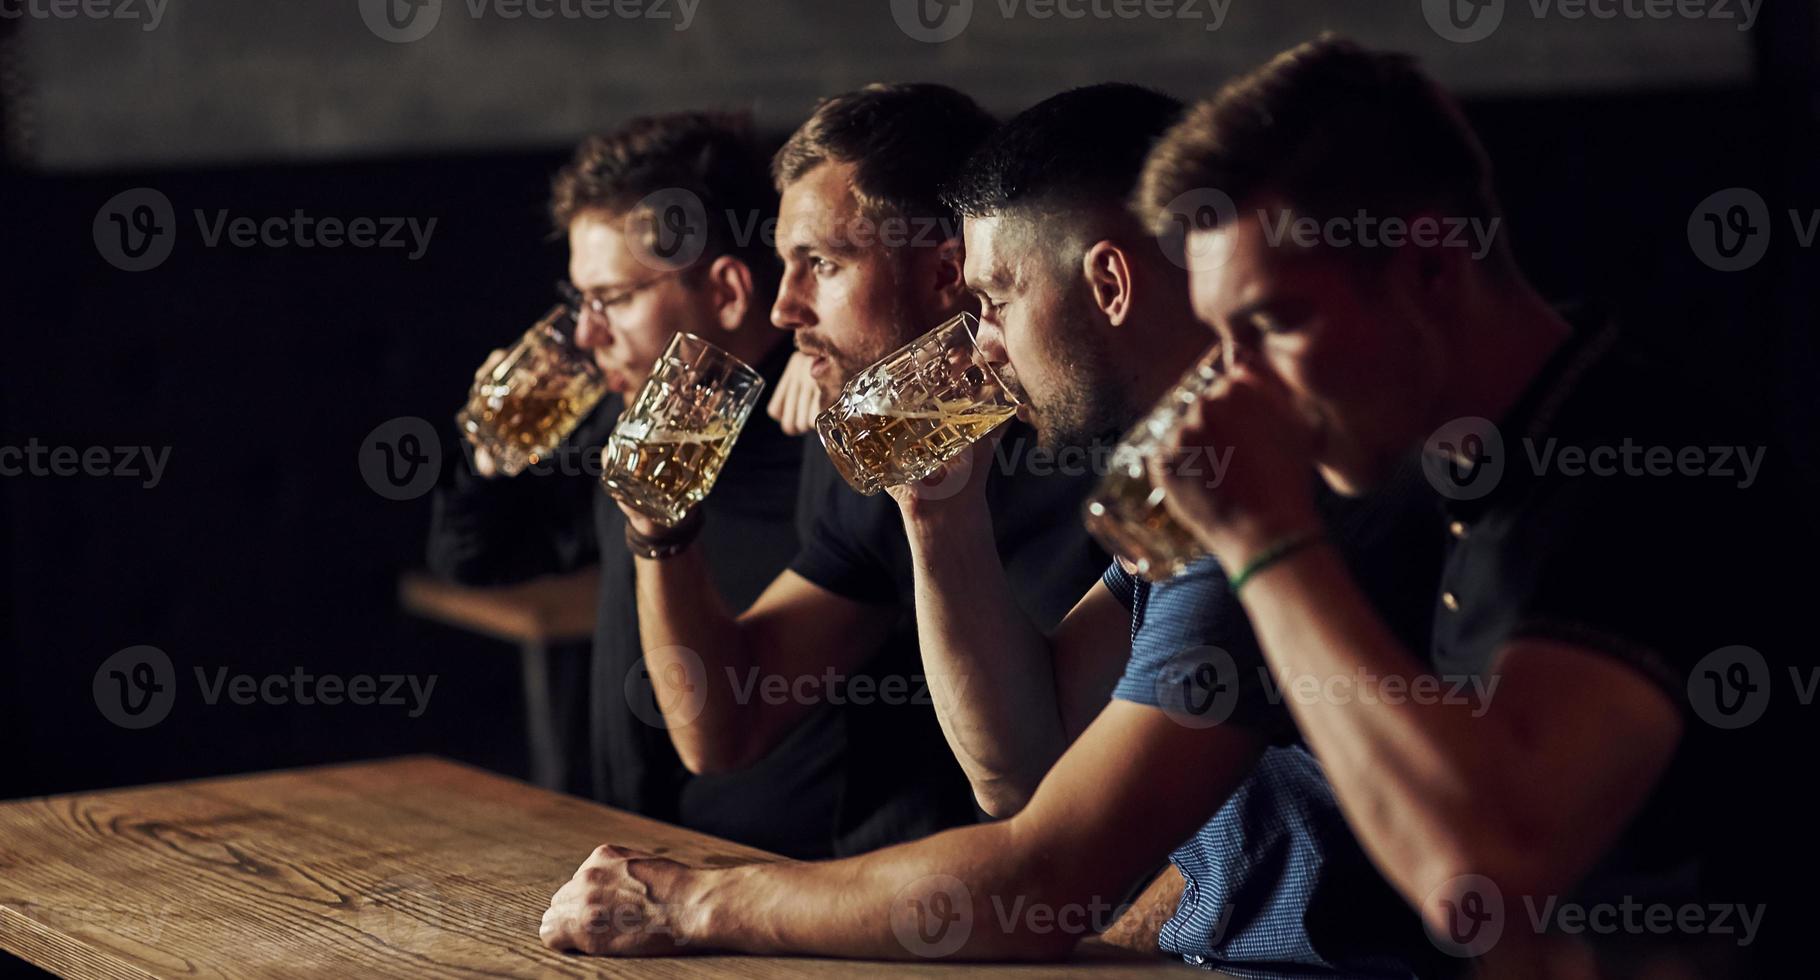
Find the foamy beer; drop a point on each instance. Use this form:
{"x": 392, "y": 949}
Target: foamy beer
{"x": 670, "y": 444}
{"x": 523, "y": 408}
{"x": 900, "y": 419}
{"x": 1126, "y": 513}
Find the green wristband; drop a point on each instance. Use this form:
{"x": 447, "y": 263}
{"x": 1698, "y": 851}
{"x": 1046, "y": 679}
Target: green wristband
{"x": 1273, "y": 554}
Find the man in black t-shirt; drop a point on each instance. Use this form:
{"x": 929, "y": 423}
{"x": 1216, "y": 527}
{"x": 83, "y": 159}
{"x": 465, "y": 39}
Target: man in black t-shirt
{"x": 1614, "y": 570}
{"x": 1079, "y": 305}
{"x": 489, "y": 528}
{"x": 872, "y": 258}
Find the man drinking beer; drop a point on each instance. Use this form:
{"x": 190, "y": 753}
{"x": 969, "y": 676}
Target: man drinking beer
{"x": 871, "y": 259}
{"x": 1632, "y": 617}
{"x": 629, "y": 301}
{"x": 1080, "y": 303}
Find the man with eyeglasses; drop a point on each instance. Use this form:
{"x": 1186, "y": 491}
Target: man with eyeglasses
{"x": 637, "y": 276}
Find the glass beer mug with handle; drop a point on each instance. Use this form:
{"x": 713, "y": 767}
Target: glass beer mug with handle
{"x": 522, "y": 408}
{"x": 670, "y": 444}
{"x": 1125, "y": 513}
{"x": 899, "y": 420}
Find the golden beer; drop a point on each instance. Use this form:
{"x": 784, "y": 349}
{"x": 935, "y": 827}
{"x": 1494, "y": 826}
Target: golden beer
{"x": 899, "y": 420}
{"x": 672, "y": 441}
{"x": 905, "y": 446}
{"x": 1127, "y": 516}
{"x": 1126, "y": 512}
{"x": 664, "y": 474}
{"x": 528, "y": 403}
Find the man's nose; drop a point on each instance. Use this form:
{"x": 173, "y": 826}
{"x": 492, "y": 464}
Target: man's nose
{"x": 592, "y": 331}
{"x": 789, "y": 312}
{"x": 1234, "y": 356}
{"x": 991, "y": 344}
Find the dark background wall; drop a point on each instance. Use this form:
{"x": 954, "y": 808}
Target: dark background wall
{"x": 263, "y": 550}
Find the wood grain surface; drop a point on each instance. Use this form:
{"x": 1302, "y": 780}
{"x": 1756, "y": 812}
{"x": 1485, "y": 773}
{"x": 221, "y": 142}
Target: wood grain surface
{"x": 550, "y": 609}
{"x": 415, "y": 867}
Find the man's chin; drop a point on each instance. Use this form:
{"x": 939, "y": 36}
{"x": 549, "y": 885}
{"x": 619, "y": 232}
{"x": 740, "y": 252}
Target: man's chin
{"x": 1339, "y": 481}
{"x": 1355, "y": 477}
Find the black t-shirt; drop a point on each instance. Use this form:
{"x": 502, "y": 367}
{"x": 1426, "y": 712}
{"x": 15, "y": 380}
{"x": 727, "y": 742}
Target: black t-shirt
{"x": 855, "y": 546}
{"x": 557, "y": 518}
{"x": 902, "y": 779}
{"x": 1626, "y": 510}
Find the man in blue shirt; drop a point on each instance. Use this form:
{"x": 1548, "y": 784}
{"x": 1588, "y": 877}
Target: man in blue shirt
{"x": 1092, "y": 317}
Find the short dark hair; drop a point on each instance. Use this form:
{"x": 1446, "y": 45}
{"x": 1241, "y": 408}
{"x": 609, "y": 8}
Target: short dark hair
{"x": 712, "y": 155}
{"x": 906, "y": 139}
{"x": 1086, "y": 146}
{"x": 1331, "y": 128}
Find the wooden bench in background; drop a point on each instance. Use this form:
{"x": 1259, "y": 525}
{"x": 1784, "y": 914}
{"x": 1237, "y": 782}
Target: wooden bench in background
{"x": 532, "y": 615}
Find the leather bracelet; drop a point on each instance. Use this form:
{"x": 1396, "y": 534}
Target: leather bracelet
{"x": 672, "y": 542}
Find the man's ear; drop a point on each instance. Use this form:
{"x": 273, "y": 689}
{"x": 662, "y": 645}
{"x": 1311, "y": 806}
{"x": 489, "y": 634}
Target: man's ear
{"x": 950, "y": 274}
{"x": 1108, "y": 272}
{"x": 1436, "y": 267}
{"x": 730, "y": 291}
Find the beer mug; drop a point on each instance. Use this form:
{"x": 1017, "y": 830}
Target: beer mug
{"x": 1125, "y": 513}
{"x": 523, "y": 408}
{"x": 900, "y": 419}
{"x": 670, "y": 444}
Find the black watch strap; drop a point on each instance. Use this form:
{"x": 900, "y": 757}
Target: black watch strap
{"x": 668, "y": 543}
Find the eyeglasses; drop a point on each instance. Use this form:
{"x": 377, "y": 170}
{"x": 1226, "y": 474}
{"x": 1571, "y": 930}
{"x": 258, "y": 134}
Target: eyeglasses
{"x": 578, "y": 301}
